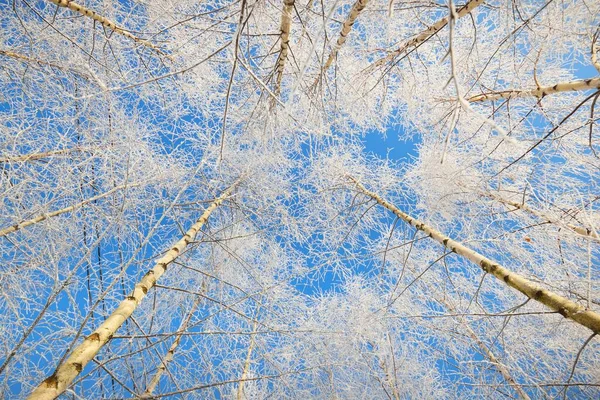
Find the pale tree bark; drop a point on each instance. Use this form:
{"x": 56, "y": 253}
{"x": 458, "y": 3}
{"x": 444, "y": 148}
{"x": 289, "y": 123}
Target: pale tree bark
{"x": 540, "y": 91}
{"x": 487, "y": 352}
{"x": 43, "y": 217}
{"x": 105, "y": 22}
{"x": 286, "y": 24}
{"x": 595, "y": 51}
{"x": 346, "y": 28}
{"x": 390, "y": 378}
{"x": 587, "y": 232}
{"x": 28, "y": 60}
{"x": 171, "y": 353}
{"x": 427, "y": 33}
{"x": 567, "y": 308}
{"x": 66, "y": 372}
{"x": 246, "y": 369}
{"x": 42, "y": 155}
{"x": 22, "y": 57}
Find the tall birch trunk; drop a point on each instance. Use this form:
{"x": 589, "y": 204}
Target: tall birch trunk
{"x": 66, "y": 372}
{"x": 286, "y": 24}
{"x": 562, "y": 305}
{"x": 346, "y": 28}
{"x": 246, "y": 370}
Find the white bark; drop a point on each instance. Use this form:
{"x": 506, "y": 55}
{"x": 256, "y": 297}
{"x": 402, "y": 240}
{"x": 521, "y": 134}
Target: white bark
{"x": 567, "y": 308}
{"x": 65, "y": 373}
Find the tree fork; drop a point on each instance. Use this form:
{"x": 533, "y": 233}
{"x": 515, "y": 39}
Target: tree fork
{"x": 562, "y": 305}
{"x": 65, "y": 373}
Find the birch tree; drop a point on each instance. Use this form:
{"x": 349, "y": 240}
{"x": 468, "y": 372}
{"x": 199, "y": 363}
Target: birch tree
{"x": 330, "y": 268}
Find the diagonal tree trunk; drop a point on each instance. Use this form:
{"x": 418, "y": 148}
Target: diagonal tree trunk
{"x": 42, "y": 155}
{"x": 595, "y": 51}
{"x": 567, "y": 308}
{"x": 43, "y": 217}
{"x": 66, "y": 372}
{"x": 588, "y": 232}
{"x": 240, "y": 390}
{"x": 286, "y": 23}
{"x": 427, "y": 33}
{"x": 346, "y": 28}
{"x": 487, "y": 352}
{"x": 105, "y": 22}
{"x": 540, "y": 91}
{"x": 171, "y": 353}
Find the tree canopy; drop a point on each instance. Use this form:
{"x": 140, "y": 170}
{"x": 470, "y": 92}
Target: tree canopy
{"x": 200, "y": 199}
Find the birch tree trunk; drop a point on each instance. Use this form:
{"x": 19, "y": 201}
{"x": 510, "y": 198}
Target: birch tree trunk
{"x": 27, "y": 59}
{"x": 357, "y": 8}
{"x": 105, "y": 22}
{"x": 567, "y": 308}
{"x": 171, "y": 353}
{"x": 240, "y": 390}
{"x": 540, "y": 91}
{"x": 65, "y": 373}
{"x": 427, "y": 33}
{"x": 45, "y": 154}
{"x": 286, "y": 23}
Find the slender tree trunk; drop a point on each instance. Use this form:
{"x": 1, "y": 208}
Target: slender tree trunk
{"x": 43, "y": 217}
{"x": 346, "y": 28}
{"x": 27, "y": 59}
{"x": 65, "y": 373}
{"x": 246, "y": 370}
{"x": 42, "y": 155}
{"x": 488, "y": 353}
{"x": 595, "y": 51}
{"x": 105, "y": 22}
{"x": 562, "y": 305}
{"x": 540, "y": 91}
{"x": 286, "y": 24}
{"x": 587, "y": 232}
{"x": 390, "y": 378}
{"x": 171, "y": 353}
{"x": 427, "y": 33}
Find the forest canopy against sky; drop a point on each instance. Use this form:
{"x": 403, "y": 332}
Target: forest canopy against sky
{"x": 256, "y": 199}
